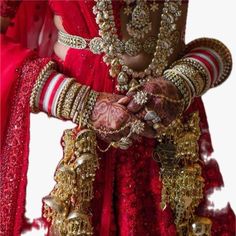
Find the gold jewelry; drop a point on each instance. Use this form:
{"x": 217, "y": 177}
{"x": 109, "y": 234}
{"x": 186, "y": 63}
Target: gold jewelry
{"x": 69, "y": 99}
{"x": 178, "y": 81}
{"x": 218, "y": 48}
{"x": 67, "y": 206}
{"x": 186, "y": 79}
{"x": 91, "y": 101}
{"x": 40, "y": 81}
{"x": 140, "y": 23}
{"x": 177, "y": 151}
{"x": 200, "y": 68}
{"x": 81, "y": 106}
{"x": 141, "y": 98}
{"x": 132, "y": 46}
{"x": 59, "y": 104}
{"x": 193, "y": 75}
{"x": 167, "y": 38}
{"x": 74, "y": 41}
{"x": 76, "y": 102}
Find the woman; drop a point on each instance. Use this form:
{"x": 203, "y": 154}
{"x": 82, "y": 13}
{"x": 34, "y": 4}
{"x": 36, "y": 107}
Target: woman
{"x": 134, "y": 82}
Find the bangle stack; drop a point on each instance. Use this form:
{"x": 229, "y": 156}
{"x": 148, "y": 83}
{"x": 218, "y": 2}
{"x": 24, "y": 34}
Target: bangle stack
{"x": 176, "y": 78}
{"x": 92, "y": 98}
{"x": 206, "y": 64}
{"x": 62, "y": 97}
{"x": 40, "y": 81}
{"x": 215, "y": 54}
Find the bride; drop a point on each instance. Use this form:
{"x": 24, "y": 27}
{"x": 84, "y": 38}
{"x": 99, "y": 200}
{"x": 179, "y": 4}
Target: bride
{"x": 122, "y": 73}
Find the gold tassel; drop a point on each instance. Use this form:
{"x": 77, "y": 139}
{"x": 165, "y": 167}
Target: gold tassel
{"x": 67, "y": 206}
{"x": 180, "y": 172}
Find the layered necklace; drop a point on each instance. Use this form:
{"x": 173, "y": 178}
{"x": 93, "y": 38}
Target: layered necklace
{"x": 139, "y": 25}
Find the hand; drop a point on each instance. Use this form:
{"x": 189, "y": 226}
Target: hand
{"x": 166, "y": 109}
{"x": 110, "y": 113}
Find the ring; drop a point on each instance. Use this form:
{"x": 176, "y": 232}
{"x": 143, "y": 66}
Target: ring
{"x": 124, "y": 143}
{"x": 156, "y": 120}
{"x": 152, "y": 116}
{"x": 141, "y": 98}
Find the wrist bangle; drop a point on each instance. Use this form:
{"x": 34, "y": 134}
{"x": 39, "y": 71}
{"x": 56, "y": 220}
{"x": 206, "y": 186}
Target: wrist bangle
{"x": 178, "y": 81}
{"x": 62, "y": 95}
{"x": 68, "y": 101}
{"x": 191, "y": 62}
{"x": 217, "y": 50}
{"x": 193, "y": 76}
{"x": 76, "y": 101}
{"x": 89, "y": 107}
{"x": 40, "y": 81}
{"x": 78, "y": 114}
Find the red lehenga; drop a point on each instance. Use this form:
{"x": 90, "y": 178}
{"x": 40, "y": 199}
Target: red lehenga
{"x": 127, "y": 188}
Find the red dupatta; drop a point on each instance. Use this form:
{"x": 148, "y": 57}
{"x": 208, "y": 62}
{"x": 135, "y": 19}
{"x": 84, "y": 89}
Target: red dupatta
{"x": 31, "y": 22}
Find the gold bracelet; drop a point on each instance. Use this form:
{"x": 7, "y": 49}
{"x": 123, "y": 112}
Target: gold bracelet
{"x": 40, "y": 81}
{"x": 69, "y": 82}
{"x": 178, "y": 81}
{"x": 193, "y": 75}
{"x": 92, "y": 98}
{"x": 68, "y": 101}
{"x": 76, "y": 101}
{"x": 187, "y": 80}
{"x": 220, "y": 49}
{"x": 78, "y": 114}
{"x": 194, "y": 64}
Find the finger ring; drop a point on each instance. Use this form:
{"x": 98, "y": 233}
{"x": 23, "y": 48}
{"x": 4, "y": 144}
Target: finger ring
{"x": 124, "y": 143}
{"x": 152, "y": 116}
{"x": 156, "y": 120}
{"x": 141, "y": 97}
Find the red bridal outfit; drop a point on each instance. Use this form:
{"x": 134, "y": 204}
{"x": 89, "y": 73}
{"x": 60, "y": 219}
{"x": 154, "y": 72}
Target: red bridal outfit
{"x": 127, "y": 187}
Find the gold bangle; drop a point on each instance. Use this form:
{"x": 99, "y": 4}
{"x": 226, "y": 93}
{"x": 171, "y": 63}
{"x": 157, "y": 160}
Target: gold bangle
{"x": 81, "y": 109}
{"x": 91, "y": 101}
{"x": 40, "y": 81}
{"x": 178, "y": 81}
{"x": 76, "y": 101}
{"x": 193, "y": 75}
{"x": 192, "y": 63}
{"x": 62, "y": 96}
{"x": 220, "y": 49}
{"x": 77, "y": 116}
{"x": 68, "y": 101}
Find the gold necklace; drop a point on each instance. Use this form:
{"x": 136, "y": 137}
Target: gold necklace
{"x": 168, "y": 36}
{"x": 140, "y": 23}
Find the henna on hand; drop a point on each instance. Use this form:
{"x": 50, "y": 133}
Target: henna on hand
{"x": 110, "y": 114}
{"x": 166, "y": 109}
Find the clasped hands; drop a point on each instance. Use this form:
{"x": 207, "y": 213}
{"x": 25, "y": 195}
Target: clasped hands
{"x": 156, "y": 103}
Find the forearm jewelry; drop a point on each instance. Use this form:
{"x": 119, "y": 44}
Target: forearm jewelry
{"x": 178, "y": 81}
{"x": 215, "y": 53}
{"x": 62, "y": 97}
{"x": 40, "y": 81}
{"x": 206, "y": 64}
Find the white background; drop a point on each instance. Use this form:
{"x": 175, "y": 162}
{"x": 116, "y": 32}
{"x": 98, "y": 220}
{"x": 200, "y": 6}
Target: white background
{"x": 206, "y": 18}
